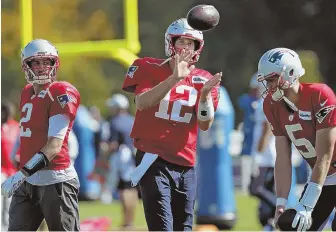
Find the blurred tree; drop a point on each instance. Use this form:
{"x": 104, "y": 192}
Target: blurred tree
{"x": 60, "y": 21}
{"x": 246, "y": 30}
{"x": 311, "y": 25}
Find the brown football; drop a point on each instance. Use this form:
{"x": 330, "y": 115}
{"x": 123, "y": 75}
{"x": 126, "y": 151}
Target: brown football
{"x": 285, "y": 220}
{"x": 203, "y": 17}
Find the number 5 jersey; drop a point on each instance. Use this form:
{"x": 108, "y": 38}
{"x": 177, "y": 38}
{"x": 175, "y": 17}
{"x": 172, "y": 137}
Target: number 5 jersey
{"x": 169, "y": 128}
{"x": 316, "y": 111}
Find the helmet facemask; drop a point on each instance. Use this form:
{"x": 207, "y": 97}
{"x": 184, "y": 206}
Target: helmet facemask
{"x": 43, "y": 75}
{"x": 40, "y": 50}
{"x": 196, "y": 53}
{"x": 281, "y": 63}
{"x": 277, "y": 91}
{"x": 181, "y": 28}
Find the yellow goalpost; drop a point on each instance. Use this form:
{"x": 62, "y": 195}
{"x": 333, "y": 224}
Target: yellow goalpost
{"x": 122, "y": 51}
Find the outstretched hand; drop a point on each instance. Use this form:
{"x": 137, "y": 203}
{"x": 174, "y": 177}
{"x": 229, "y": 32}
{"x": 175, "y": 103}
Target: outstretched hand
{"x": 211, "y": 83}
{"x": 182, "y": 68}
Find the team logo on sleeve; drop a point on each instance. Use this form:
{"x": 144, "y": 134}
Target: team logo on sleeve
{"x": 323, "y": 112}
{"x": 64, "y": 99}
{"x": 131, "y": 70}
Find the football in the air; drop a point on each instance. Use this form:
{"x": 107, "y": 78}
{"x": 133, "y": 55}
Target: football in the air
{"x": 203, "y": 17}
{"x": 285, "y": 220}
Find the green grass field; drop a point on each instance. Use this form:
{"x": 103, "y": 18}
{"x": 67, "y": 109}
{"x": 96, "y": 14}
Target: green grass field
{"x": 246, "y": 213}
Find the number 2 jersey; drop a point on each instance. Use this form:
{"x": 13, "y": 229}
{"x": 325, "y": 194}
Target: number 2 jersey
{"x": 168, "y": 129}
{"x": 316, "y": 111}
{"x": 59, "y": 97}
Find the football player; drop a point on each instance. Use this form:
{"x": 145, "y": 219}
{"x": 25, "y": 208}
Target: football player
{"x": 46, "y": 185}
{"x": 114, "y": 165}
{"x": 263, "y": 160}
{"x": 248, "y": 103}
{"x": 303, "y": 114}
{"x": 173, "y": 100}
{"x": 123, "y": 162}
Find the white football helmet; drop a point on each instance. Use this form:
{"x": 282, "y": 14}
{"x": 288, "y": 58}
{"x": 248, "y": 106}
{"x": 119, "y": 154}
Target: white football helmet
{"x": 256, "y": 84}
{"x": 283, "y": 62}
{"x": 39, "y": 48}
{"x": 181, "y": 28}
{"x": 118, "y": 101}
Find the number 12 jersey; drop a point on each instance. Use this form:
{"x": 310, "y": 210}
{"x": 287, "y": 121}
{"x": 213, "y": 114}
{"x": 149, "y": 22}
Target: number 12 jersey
{"x": 169, "y": 128}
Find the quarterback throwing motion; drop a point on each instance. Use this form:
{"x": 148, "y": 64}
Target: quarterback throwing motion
{"x": 46, "y": 185}
{"x": 173, "y": 100}
{"x": 303, "y": 114}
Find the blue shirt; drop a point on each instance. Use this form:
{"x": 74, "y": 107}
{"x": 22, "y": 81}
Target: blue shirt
{"x": 120, "y": 129}
{"x": 248, "y": 105}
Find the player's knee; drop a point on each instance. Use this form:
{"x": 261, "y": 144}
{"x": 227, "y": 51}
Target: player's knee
{"x": 264, "y": 213}
{"x": 253, "y": 188}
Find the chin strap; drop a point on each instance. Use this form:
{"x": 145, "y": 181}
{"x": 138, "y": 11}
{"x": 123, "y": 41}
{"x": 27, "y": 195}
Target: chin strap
{"x": 290, "y": 104}
{"x": 168, "y": 59}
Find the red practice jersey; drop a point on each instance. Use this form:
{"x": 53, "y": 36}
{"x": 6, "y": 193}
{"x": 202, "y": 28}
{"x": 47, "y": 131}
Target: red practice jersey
{"x": 316, "y": 106}
{"x": 9, "y": 133}
{"x": 63, "y": 98}
{"x": 169, "y": 128}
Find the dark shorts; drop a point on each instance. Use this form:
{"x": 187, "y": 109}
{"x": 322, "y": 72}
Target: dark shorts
{"x": 168, "y": 192}
{"x": 262, "y": 187}
{"x": 56, "y": 203}
{"x": 124, "y": 184}
{"x": 265, "y": 180}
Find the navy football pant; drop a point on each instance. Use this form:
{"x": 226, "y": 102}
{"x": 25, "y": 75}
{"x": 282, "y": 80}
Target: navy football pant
{"x": 168, "y": 192}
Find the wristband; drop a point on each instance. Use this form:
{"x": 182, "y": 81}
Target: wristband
{"x": 206, "y": 110}
{"x": 36, "y": 163}
{"x": 281, "y": 201}
{"x": 311, "y": 194}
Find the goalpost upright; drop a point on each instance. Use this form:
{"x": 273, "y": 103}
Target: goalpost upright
{"x": 122, "y": 51}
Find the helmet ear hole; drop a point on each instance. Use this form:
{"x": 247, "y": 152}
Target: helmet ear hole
{"x": 291, "y": 72}
{"x": 28, "y": 63}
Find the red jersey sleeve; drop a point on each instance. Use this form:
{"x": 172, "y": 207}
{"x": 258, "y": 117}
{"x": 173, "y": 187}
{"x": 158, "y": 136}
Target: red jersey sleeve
{"x": 143, "y": 87}
{"x": 270, "y": 116}
{"x": 136, "y": 81}
{"x": 324, "y": 108}
{"x": 66, "y": 99}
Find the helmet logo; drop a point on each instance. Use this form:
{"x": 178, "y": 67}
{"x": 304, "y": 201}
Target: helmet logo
{"x": 276, "y": 57}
